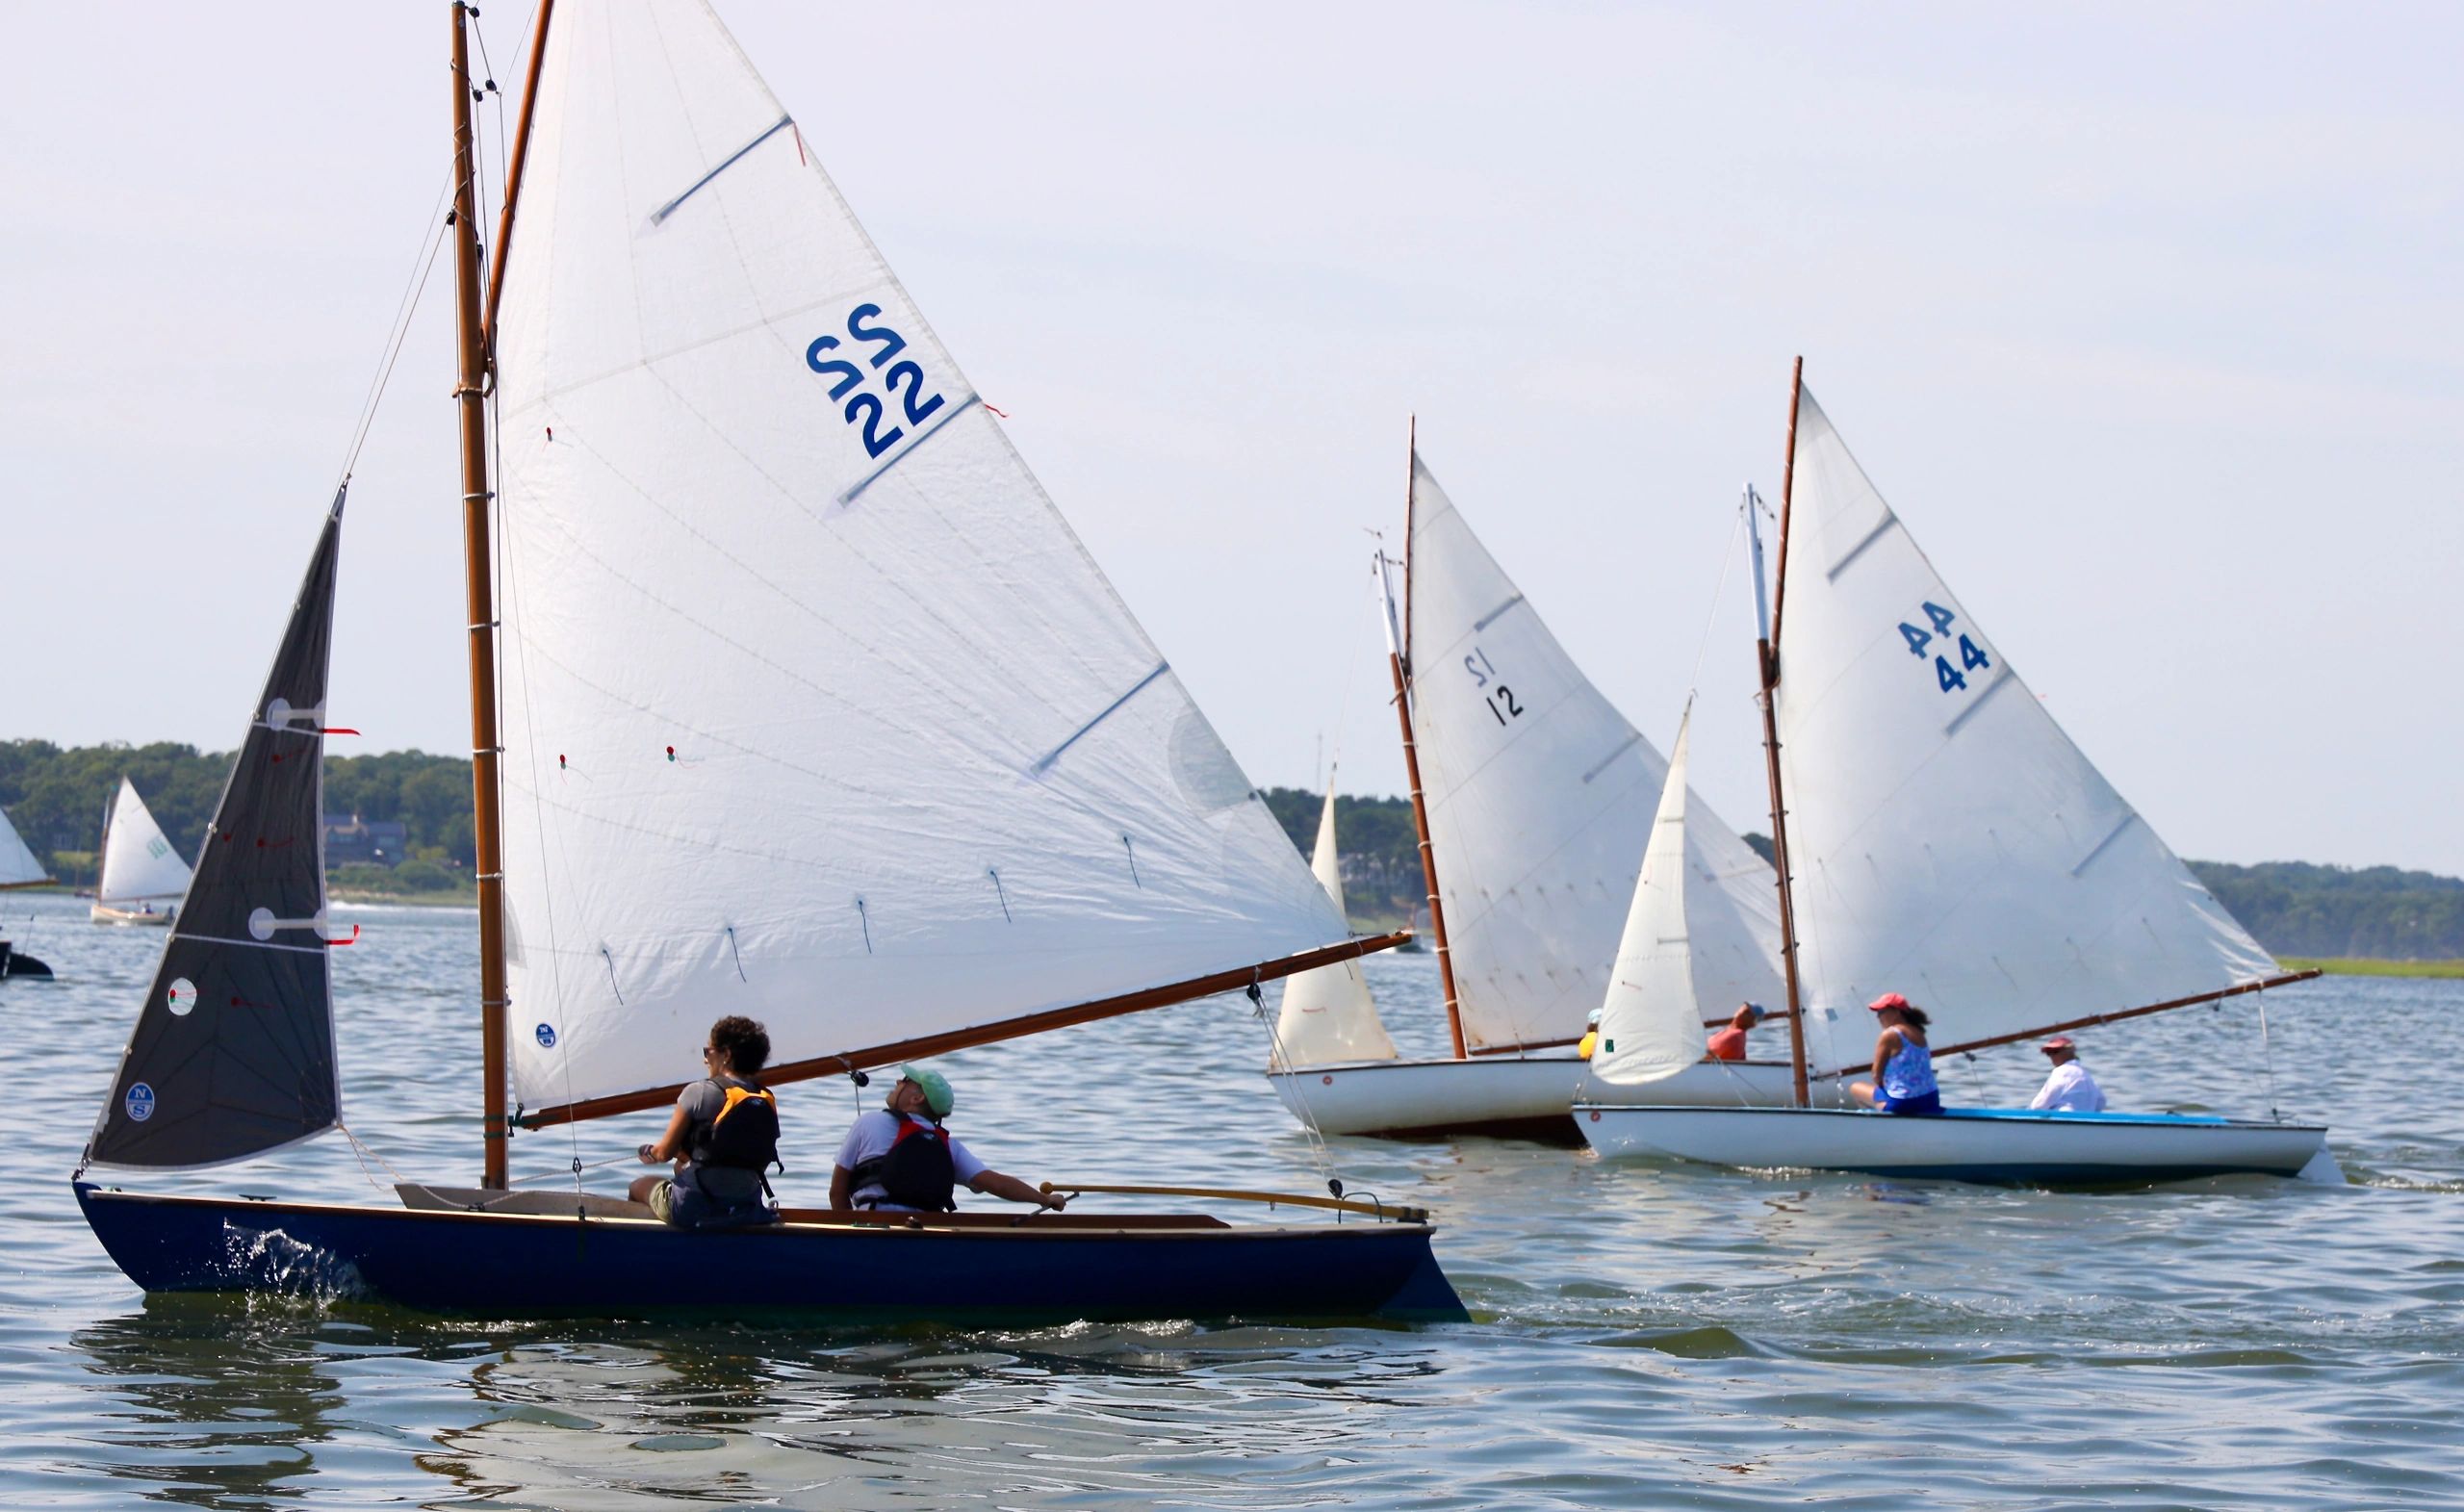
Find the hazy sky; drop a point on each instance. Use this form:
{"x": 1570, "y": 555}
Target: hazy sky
{"x": 2146, "y": 320}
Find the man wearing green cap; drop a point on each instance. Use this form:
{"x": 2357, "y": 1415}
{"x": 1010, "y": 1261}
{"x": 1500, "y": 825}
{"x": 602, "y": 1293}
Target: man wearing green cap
{"x": 901, "y": 1160}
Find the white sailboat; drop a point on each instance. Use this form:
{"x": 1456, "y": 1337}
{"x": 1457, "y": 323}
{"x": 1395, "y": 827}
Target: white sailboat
{"x": 1534, "y": 798}
{"x": 1327, "y": 1015}
{"x": 1947, "y": 840}
{"x": 143, "y": 877}
{"x": 18, "y": 868}
{"x": 813, "y": 709}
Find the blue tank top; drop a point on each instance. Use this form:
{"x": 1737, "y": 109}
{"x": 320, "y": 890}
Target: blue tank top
{"x": 1909, "y": 1072}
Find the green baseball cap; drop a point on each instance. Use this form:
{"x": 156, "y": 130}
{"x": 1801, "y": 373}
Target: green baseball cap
{"x": 938, "y": 1095}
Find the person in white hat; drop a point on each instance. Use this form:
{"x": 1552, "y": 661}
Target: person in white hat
{"x": 2070, "y": 1089}
{"x": 1590, "y": 1040}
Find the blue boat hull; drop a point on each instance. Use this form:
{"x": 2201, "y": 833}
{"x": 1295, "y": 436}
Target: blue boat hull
{"x": 525, "y": 1266}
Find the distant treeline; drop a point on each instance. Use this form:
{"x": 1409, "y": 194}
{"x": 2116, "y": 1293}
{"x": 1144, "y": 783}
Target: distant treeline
{"x": 55, "y": 797}
{"x": 2293, "y": 908}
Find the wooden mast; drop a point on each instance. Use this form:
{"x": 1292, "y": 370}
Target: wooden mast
{"x": 470, "y": 403}
{"x": 1398, "y": 658}
{"x": 1766, "y": 653}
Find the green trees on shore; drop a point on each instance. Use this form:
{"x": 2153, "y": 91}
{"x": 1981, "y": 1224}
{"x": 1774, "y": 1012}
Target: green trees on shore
{"x": 55, "y": 797}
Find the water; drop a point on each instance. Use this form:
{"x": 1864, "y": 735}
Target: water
{"x": 1645, "y": 1336}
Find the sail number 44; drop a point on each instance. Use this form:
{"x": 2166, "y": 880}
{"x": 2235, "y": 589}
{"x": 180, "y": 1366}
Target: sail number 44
{"x": 1920, "y": 645}
{"x": 903, "y": 382}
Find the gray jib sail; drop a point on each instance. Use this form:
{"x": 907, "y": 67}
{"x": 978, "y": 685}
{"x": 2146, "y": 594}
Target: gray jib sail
{"x": 234, "y": 1050}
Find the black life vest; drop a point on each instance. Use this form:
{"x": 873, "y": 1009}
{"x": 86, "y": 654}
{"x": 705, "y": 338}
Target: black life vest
{"x": 744, "y": 1133}
{"x": 916, "y": 1171}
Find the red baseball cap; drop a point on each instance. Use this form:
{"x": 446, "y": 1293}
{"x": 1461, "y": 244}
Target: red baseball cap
{"x": 1887, "y": 1000}
{"x": 2058, "y": 1042}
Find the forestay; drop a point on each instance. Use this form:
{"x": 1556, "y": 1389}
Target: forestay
{"x": 233, "y": 1054}
{"x": 1949, "y": 841}
{"x": 1327, "y": 1015}
{"x": 18, "y": 867}
{"x": 1687, "y": 954}
{"x": 814, "y": 708}
{"x": 139, "y": 864}
{"x": 1540, "y": 797}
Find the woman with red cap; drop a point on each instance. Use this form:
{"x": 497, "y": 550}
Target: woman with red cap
{"x": 1903, "y": 1067}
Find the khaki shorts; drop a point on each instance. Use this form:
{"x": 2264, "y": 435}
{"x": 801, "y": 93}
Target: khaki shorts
{"x": 663, "y": 1201}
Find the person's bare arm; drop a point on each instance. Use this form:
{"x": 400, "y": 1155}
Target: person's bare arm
{"x": 1009, "y": 1188}
{"x": 1885, "y": 1045}
{"x": 842, "y": 1189}
{"x": 670, "y": 1145}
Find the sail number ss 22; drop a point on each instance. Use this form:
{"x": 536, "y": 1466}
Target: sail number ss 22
{"x": 1921, "y": 644}
{"x": 1500, "y": 698}
{"x": 903, "y": 383}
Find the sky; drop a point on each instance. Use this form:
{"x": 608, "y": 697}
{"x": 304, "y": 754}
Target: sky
{"x": 2144, "y": 319}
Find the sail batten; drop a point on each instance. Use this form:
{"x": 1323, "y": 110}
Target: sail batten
{"x": 797, "y": 649}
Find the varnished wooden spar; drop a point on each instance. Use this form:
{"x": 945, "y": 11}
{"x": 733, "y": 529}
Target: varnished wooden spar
{"x": 1272, "y": 1200}
{"x": 1398, "y": 658}
{"x": 1768, "y": 661}
{"x": 2094, "y": 1020}
{"x": 1007, "y": 1029}
{"x": 480, "y": 604}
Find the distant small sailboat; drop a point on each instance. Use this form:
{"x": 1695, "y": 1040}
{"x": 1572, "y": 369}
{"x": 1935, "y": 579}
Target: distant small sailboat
{"x": 18, "y": 868}
{"x": 1327, "y": 1014}
{"x": 814, "y": 711}
{"x": 1952, "y": 844}
{"x": 143, "y": 877}
{"x": 1533, "y": 798}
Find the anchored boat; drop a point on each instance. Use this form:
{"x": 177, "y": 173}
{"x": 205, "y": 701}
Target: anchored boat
{"x": 1533, "y": 799}
{"x": 1954, "y": 844}
{"x": 793, "y": 696}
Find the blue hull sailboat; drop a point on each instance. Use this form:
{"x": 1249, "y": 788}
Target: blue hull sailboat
{"x": 793, "y": 697}
{"x": 1945, "y": 836}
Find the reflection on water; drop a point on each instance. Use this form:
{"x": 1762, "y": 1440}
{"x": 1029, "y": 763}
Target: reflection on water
{"x": 1646, "y": 1336}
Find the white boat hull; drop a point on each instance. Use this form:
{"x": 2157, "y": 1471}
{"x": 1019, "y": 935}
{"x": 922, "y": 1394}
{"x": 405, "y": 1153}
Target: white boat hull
{"x": 104, "y": 913}
{"x": 1527, "y": 1097}
{"x": 2003, "y": 1146}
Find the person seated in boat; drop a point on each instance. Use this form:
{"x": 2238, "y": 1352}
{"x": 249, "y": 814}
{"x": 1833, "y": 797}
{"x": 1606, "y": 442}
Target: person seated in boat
{"x": 1728, "y": 1044}
{"x": 1590, "y": 1040}
{"x": 899, "y": 1159}
{"x": 1903, "y": 1065}
{"x": 2070, "y": 1089}
{"x": 723, "y": 1136}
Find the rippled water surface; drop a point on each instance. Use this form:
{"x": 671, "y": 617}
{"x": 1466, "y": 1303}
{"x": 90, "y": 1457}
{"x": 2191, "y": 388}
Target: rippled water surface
{"x": 1660, "y": 1337}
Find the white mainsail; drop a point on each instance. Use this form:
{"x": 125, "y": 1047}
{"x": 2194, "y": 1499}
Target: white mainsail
{"x": 139, "y": 864}
{"x": 1687, "y": 955}
{"x": 1540, "y": 798}
{"x": 18, "y": 867}
{"x": 1949, "y": 842}
{"x": 814, "y": 708}
{"x": 1327, "y": 1015}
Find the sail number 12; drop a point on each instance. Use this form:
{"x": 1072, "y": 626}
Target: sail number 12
{"x": 1499, "y": 699}
{"x": 1920, "y": 642}
{"x": 904, "y": 382}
